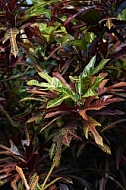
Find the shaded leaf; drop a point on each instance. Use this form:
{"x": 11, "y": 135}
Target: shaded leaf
{"x": 35, "y": 118}
{"x": 92, "y": 16}
{"x": 31, "y": 98}
{"x": 100, "y": 66}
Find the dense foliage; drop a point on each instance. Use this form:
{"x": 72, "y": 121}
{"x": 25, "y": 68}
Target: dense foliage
{"x": 63, "y": 94}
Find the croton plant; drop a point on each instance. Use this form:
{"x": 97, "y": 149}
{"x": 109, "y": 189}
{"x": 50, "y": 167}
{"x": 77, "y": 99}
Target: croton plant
{"x": 63, "y": 94}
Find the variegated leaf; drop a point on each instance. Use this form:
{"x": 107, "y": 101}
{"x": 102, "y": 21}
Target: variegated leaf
{"x": 105, "y": 148}
{"x": 11, "y": 34}
{"x": 91, "y": 124}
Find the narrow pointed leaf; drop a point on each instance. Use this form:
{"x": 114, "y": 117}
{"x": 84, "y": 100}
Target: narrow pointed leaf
{"x": 89, "y": 68}
{"x": 57, "y": 101}
{"x": 100, "y": 66}
{"x": 92, "y": 124}
{"x": 32, "y": 82}
{"x": 105, "y": 148}
{"x": 86, "y": 130}
{"x": 31, "y": 98}
{"x": 45, "y": 76}
{"x": 89, "y": 93}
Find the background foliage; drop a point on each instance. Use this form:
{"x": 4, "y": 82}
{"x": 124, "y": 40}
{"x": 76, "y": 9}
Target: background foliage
{"x": 63, "y": 95}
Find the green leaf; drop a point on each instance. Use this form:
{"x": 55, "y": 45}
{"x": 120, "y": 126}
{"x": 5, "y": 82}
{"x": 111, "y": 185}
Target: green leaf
{"x": 89, "y": 93}
{"x": 96, "y": 82}
{"x": 42, "y": 84}
{"x": 100, "y": 66}
{"x": 39, "y": 9}
{"x": 80, "y": 43}
{"x": 45, "y": 76}
{"x": 89, "y": 68}
{"x": 57, "y": 101}
{"x": 30, "y": 98}
{"x": 32, "y": 83}
{"x": 91, "y": 17}
{"x": 52, "y": 150}
{"x": 82, "y": 84}
{"x": 91, "y": 90}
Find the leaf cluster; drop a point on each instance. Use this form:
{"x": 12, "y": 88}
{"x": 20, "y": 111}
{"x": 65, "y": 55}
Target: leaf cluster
{"x": 62, "y": 94}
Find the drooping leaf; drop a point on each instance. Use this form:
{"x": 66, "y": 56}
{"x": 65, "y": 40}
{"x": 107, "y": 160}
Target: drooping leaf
{"x": 99, "y": 104}
{"x": 11, "y": 34}
{"x": 91, "y": 124}
{"x": 21, "y": 174}
{"x": 105, "y": 148}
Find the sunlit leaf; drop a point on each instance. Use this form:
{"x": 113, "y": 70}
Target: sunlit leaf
{"x": 21, "y": 174}
{"x": 45, "y": 76}
{"x": 57, "y": 101}
{"x": 32, "y": 82}
{"x": 89, "y": 67}
{"x": 89, "y": 93}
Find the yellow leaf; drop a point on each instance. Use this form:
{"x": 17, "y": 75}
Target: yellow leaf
{"x": 90, "y": 125}
{"x": 105, "y": 148}
{"x": 21, "y": 174}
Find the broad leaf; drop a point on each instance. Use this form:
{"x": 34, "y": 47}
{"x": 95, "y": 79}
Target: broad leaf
{"x": 57, "y": 101}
